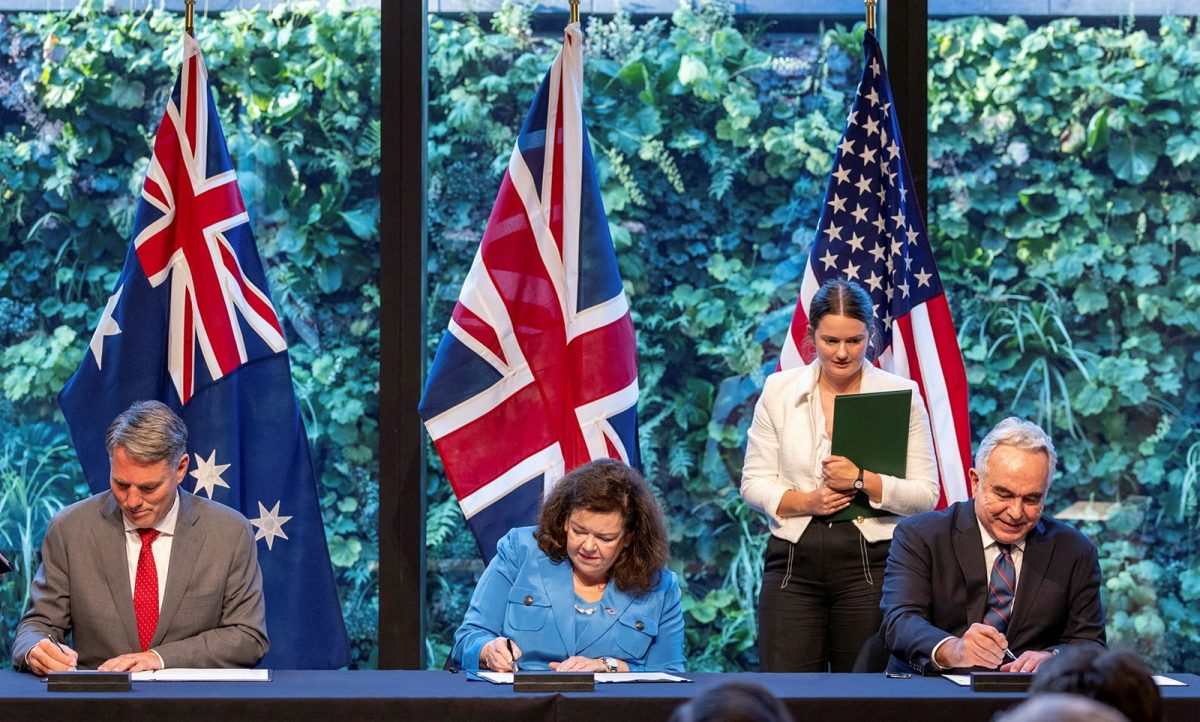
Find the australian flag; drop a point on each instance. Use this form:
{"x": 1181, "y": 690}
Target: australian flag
{"x": 191, "y": 323}
{"x": 537, "y": 372}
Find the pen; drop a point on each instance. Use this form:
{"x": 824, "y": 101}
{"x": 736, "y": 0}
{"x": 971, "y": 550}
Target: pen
{"x": 1009, "y": 653}
{"x": 514, "y": 656}
{"x": 56, "y": 644}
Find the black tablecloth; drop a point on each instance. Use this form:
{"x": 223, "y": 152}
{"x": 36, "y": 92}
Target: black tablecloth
{"x": 405, "y": 695}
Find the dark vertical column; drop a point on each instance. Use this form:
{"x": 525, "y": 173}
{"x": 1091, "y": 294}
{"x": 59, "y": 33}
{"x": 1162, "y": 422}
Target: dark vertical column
{"x": 402, "y": 335}
{"x": 904, "y": 33}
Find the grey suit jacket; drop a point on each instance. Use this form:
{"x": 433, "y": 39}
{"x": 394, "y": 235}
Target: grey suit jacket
{"x": 212, "y": 612}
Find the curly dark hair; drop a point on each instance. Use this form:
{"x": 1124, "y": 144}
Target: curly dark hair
{"x": 603, "y": 486}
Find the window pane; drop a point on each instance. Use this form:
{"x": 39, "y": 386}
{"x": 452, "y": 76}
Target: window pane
{"x": 713, "y": 136}
{"x": 297, "y": 92}
{"x": 1063, "y": 163}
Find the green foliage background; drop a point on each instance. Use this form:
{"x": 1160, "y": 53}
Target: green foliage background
{"x": 1062, "y": 203}
{"x": 1063, "y": 214}
{"x": 81, "y": 95}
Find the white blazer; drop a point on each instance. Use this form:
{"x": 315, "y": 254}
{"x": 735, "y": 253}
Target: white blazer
{"x": 782, "y": 452}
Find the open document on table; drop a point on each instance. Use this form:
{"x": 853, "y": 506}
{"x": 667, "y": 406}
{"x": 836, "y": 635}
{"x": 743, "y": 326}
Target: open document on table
{"x": 188, "y": 674}
{"x": 601, "y": 677}
{"x": 964, "y": 680}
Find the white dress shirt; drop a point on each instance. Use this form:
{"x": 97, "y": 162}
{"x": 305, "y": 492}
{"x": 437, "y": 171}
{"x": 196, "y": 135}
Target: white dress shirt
{"x": 160, "y": 548}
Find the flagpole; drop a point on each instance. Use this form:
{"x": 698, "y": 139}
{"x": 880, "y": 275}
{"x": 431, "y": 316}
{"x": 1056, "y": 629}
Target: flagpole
{"x": 189, "y": 25}
{"x": 871, "y": 14}
{"x": 574, "y": 11}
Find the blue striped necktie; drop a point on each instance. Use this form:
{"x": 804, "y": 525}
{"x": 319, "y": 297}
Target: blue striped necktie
{"x": 1001, "y": 590}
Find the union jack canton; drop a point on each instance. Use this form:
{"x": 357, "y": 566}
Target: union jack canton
{"x": 537, "y": 372}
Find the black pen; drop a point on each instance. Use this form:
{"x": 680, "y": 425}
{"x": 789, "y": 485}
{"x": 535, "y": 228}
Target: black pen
{"x": 56, "y": 644}
{"x": 513, "y": 655}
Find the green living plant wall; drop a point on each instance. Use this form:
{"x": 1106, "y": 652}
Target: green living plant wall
{"x": 1064, "y": 162}
{"x": 81, "y": 94}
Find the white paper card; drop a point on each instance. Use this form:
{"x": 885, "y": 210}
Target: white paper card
{"x": 188, "y": 674}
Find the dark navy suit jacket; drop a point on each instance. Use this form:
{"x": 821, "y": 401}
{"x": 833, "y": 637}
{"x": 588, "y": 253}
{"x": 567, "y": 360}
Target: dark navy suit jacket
{"x": 935, "y": 587}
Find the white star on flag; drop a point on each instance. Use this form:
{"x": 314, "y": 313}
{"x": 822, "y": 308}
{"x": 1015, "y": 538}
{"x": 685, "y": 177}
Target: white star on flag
{"x": 270, "y": 524}
{"x": 208, "y": 474}
{"x": 106, "y": 327}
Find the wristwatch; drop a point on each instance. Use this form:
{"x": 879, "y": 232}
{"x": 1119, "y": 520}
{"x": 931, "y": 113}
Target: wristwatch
{"x": 611, "y": 664}
{"x": 858, "y": 480}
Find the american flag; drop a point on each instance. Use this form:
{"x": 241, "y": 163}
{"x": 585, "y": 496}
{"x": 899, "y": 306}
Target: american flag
{"x": 871, "y": 232}
{"x": 537, "y": 372}
{"x": 191, "y": 323}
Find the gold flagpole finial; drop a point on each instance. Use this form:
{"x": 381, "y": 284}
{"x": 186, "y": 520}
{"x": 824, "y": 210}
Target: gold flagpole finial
{"x": 574, "y": 11}
{"x": 871, "y": 13}
{"x": 189, "y": 14}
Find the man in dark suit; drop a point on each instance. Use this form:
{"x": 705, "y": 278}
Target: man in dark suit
{"x": 145, "y": 576}
{"x": 990, "y": 582}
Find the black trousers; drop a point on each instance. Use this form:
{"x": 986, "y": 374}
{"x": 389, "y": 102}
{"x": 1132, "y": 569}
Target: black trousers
{"x": 819, "y": 599}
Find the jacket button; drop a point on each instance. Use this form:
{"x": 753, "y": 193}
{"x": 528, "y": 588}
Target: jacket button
{"x": 639, "y": 626}
{"x": 528, "y": 600}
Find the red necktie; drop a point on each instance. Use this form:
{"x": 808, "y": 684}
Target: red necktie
{"x": 145, "y": 590}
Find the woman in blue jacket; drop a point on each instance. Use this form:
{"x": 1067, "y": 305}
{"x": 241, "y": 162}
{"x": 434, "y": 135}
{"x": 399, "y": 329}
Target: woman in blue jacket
{"x": 586, "y": 590}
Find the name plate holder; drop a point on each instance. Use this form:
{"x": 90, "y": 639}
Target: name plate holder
{"x": 87, "y": 681}
{"x": 1001, "y": 681}
{"x": 554, "y": 682}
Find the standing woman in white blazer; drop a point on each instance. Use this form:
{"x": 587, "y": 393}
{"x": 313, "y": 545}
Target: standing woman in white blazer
{"x": 822, "y": 580}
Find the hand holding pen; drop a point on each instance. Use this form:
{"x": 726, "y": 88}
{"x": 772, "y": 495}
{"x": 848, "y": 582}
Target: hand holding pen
{"x": 499, "y": 655}
{"x": 50, "y": 656}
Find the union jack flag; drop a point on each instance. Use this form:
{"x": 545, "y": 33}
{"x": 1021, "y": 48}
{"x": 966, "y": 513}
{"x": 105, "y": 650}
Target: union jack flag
{"x": 537, "y": 372}
{"x": 871, "y": 231}
{"x": 191, "y": 323}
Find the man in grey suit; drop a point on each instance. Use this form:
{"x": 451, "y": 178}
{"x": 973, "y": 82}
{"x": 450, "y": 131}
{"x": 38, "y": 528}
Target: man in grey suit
{"x": 145, "y": 576}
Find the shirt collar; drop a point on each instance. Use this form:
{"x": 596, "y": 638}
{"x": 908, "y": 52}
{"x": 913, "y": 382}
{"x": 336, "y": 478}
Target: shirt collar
{"x": 165, "y": 525}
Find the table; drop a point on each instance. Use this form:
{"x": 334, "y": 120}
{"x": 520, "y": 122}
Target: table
{"x": 428, "y": 695}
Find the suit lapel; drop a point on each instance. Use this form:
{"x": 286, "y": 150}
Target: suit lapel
{"x": 968, "y": 547}
{"x": 109, "y": 537}
{"x": 618, "y": 602}
{"x": 560, "y": 590}
{"x": 185, "y": 548}
{"x": 1035, "y": 560}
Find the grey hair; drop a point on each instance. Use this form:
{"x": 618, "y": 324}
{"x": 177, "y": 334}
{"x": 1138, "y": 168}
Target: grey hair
{"x": 149, "y": 432}
{"x": 1021, "y": 434}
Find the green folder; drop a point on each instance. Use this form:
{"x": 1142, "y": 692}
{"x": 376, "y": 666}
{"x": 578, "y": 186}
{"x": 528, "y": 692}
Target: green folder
{"x": 872, "y": 431}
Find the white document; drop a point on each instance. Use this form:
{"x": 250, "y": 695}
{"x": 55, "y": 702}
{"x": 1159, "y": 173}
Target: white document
{"x": 601, "y": 677}
{"x": 188, "y": 674}
{"x": 964, "y": 680}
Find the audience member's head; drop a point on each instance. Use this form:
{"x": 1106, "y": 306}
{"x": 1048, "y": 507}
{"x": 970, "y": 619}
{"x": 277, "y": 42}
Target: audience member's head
{"x": 733, "y": 702}
{"x": 1060, "y": 708}
{"x": 1118, "y": 679}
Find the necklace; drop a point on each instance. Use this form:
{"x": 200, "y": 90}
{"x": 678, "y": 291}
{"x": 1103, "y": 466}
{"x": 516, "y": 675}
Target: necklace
{"x": 594, "y": 605}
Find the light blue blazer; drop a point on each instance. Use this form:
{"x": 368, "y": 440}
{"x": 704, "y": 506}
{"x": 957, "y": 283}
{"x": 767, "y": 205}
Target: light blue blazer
{"x": 528, "y": 598}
